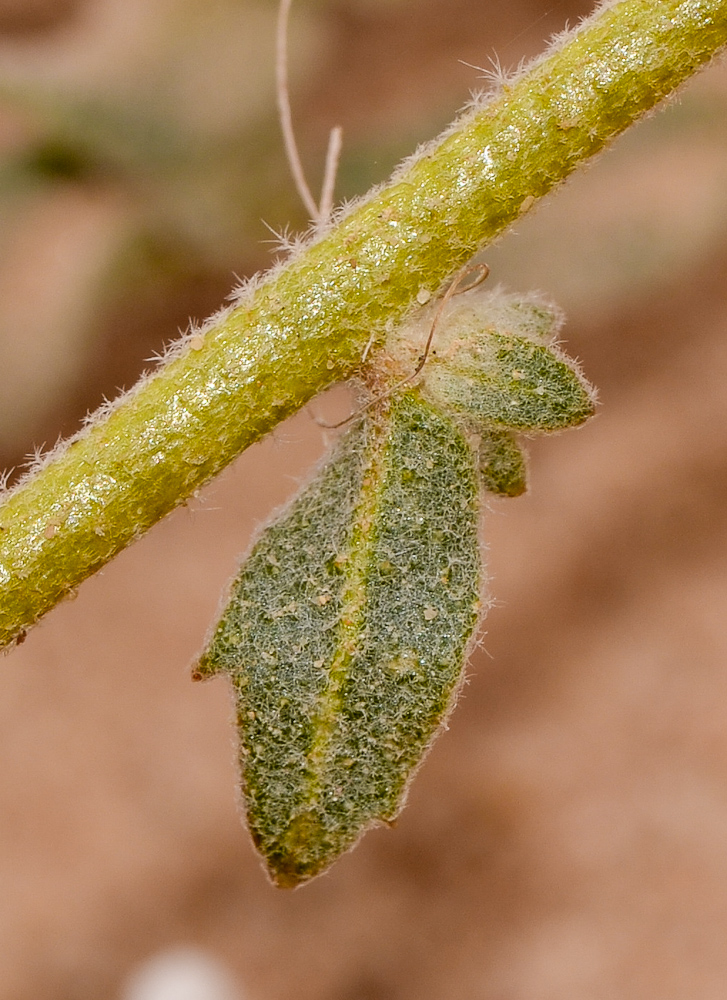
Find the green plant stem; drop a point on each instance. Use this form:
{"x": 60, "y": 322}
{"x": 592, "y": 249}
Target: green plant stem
{"x": 309, "y": 322}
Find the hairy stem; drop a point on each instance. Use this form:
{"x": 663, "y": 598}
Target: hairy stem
{"x": 308, "y": 323}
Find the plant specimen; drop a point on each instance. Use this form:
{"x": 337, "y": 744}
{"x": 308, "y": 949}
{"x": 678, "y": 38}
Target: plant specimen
{"x": 348, "y": 627}
{"x": 344, "y": 294}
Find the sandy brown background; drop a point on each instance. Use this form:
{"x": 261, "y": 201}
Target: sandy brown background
{"x": 567, "y": 837}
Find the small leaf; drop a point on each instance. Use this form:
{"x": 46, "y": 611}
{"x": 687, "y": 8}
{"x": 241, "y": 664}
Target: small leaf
{"x": 493, "y": 361}
{"x": 502, "y": 464}
{"x": 346, "y": 632}
{"x": 518, "y": 384}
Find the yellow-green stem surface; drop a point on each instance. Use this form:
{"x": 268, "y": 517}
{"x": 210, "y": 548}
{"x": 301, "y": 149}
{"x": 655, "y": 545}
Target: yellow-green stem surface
{"x": 309, "y": 322}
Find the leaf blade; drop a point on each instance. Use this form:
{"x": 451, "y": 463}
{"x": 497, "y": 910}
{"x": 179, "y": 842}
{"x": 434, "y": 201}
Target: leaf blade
{"x": 403, "y": 574}
{"x": 522, "y": 385}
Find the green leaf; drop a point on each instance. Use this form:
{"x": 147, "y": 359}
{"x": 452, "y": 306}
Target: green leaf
{"x": 518, "y": 384}
{"x": 493, "y": 362}
{"x": 502, "y": 463}
{"x": 346, "y": 632}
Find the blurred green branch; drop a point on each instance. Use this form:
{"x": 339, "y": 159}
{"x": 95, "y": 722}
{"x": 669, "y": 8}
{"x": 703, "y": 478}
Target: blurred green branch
{"x": 307, "y": 324}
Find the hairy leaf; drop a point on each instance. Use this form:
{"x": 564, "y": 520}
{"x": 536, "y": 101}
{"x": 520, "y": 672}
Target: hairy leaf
{"x": 502, "y": 464}
{"x": 346, "y": 632}
{"x": 518, "y": 384}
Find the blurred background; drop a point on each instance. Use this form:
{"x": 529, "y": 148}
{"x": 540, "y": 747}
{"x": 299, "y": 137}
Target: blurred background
{"x": 567, "y": 837}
